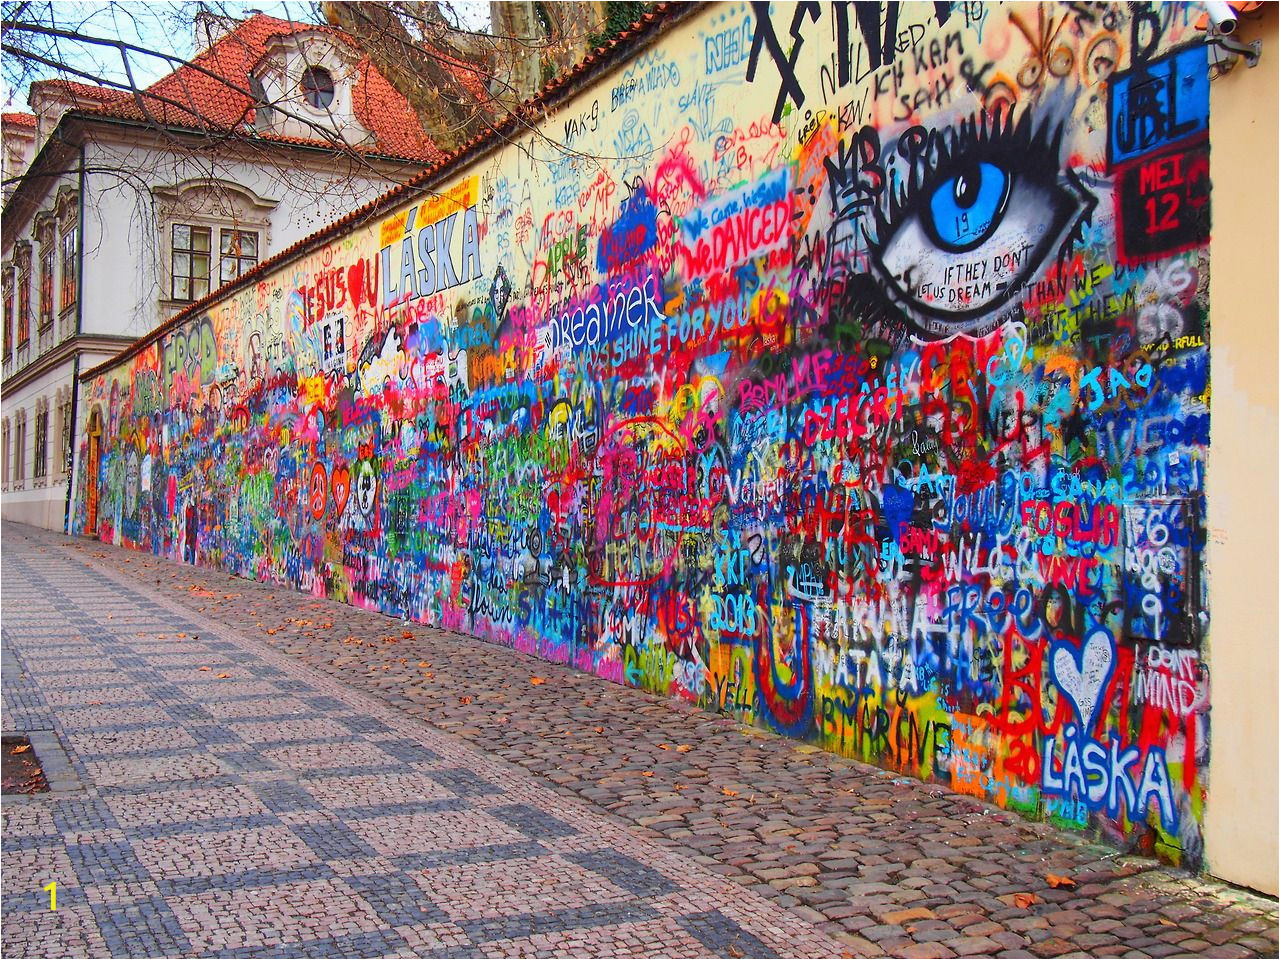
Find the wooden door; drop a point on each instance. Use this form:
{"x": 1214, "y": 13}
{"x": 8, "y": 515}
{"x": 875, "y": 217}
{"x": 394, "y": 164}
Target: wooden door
{"x": 93, "y": 467}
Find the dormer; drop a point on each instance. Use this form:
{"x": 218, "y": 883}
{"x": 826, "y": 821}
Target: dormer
{"x": 17, "y": 148}
{"x": 305, "y": 84}
{"x": 50, "y": 99}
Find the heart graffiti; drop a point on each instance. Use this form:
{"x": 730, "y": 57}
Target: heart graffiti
{"x": 1083, "y": 674}
{"x": 340, "y": 483}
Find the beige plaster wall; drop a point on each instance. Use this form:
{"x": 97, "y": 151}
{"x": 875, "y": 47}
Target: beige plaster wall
{"x": 1241, "y": 814}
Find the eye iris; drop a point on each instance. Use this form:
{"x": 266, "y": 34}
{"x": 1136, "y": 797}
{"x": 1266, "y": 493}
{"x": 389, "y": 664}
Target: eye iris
{"x": 966, "y": 209}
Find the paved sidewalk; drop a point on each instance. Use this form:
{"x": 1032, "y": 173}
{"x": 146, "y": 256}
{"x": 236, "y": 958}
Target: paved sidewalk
{"x": 884, "y": 864}
{"x": 234, "y": 803}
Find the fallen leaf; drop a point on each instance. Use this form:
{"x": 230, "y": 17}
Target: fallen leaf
{"x": 182, "y": 634}
{"x": 1056, "y": 881}
{"x": 205, "y": 668}
{"x": 224, "y": 676}
{"x": 22, "y": 748}
{"x": 428, "y": 675}
{"x": 464, "y": 700}
{"x": 423, "y": 663}
{"x": 407, "y": 635}
{"x": 599, "y": 729}
{"x": 734, "y": 951}
{"x": 683, "y": 748}
{"x": 1024, "y": 900}
{"x": 537, "y": 681}
{"x": 664, "y": 746}
{"x": 728, "y": 793}
{"x": 272, "y": 630}
{"x": 647, "y": 773}
{"x": 682, "y": 786}
{"x": 1167, "y": 922}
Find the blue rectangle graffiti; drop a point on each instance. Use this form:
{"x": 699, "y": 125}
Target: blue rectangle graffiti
{"x": 1158, "y": 102}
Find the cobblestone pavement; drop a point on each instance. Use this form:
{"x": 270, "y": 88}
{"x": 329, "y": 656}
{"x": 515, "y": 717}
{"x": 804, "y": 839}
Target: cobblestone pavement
{"x": 232, "y": 802}
{"x": 883, "y": 864}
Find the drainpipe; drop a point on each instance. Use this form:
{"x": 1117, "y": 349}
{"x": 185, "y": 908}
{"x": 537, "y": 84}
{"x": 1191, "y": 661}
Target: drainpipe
{"x": 80, "y": 248}
{"x": 75, "y": 376}
{"x": 71, "y": 449}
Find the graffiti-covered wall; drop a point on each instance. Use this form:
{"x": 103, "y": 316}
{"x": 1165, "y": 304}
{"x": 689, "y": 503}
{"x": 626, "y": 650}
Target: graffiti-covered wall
{"x": 840, "y": 367}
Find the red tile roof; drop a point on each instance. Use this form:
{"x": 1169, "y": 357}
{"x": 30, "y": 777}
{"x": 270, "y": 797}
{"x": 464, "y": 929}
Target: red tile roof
{"x": 83, "y": 91}
{"x": 18, "y": 119}
{"x": 212, "y": 93}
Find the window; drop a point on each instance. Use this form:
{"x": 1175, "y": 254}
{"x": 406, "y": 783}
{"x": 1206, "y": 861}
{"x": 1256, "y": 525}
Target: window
{"x": 24, "y": 308}
{"x": 20, "y": 447}
{"x": 238, "y": 252}
{"x": 40, "y": 456}
{"x": 261, "y": 103}
{"x": 190, "y": 262}
{"x": 212, "y": 232}
{"x": 46, "y": 287}
{"x": 317, "y": 87}
{"x": 4, "y": 440}
{"x": 69, "y": 279}
{"x": 63, "y": 235}
{"x": 8, "y": 322}
{"x": 64, "y": 420}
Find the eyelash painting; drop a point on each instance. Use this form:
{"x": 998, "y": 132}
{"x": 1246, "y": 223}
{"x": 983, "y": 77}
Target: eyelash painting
{"x": 983, "y": 207}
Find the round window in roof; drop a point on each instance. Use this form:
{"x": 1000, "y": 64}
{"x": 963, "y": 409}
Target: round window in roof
{"x": 317, "y": 87}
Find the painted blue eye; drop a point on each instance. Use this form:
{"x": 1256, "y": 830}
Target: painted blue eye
{"x": 964, "y": 210}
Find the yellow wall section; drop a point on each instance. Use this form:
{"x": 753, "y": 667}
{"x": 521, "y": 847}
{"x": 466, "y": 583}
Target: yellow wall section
{"x": 1244, "y": 577}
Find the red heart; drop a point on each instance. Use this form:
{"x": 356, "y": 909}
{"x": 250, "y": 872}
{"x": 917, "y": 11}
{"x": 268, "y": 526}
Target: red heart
{"x": 341, "y": 484}
{"x": 355, "y": 283}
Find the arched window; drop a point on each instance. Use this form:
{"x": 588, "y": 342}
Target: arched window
{"x": 40, "y": 450}
{"x": 20, "y": 448}
{"x": 63, "y": 463}
{"x": 317, "y": 87}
